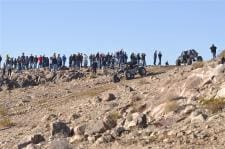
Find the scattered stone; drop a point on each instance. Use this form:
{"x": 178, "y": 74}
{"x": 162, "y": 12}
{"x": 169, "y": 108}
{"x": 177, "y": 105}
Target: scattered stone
{"x": 197, "y": 118}
{"x": 74, "y": 116}
{"x": 97, "y": 99}
{"x": 51, "y": 117}
{"x": 60, "y": 129}
{"x": 77, "y": 138}
{"x": 34, "y": 139}
{"x": 109, "y": 97}
{"x": 109, "y": 121}
{"x": 117, "y": 131}
{"x": 95, "y": 127}
{"x": 59, "y": 144}
{"x": 136, "y": 119}
{"x": 80, "y": 130}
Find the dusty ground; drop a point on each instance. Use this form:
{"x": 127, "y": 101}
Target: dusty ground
{"x": 170, "y": 97}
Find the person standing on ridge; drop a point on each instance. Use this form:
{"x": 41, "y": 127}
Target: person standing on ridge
{"x": 213, "y": 50}
{"x": 0, "y": 61}
{"x": 155, "y": 57}
{"x": 160, "y": 57}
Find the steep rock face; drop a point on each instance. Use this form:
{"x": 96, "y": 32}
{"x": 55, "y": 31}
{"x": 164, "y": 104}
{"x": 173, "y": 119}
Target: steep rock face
{"x": 37, "y": 77}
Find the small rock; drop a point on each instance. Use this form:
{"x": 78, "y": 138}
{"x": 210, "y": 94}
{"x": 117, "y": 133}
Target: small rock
{"x": 136, "y": 119}
{"x": 50, "y": 117}
{"x": 77, "y": 138}
{"x": 198, "y": 118}
{"x": 60, "y": 129}
{"x": 189, "y": 109}
{"x": 91, "y": 139}
{"x": 109, "y": 121}
{"x": 109, "y": 97}
{"x": 74, "y": 116}
{"x": 34, "y": 139}
{"x": 97, "y": 99}
{"x": 118, "y": 131}
{"x": 80, "y": 130}
{"x": 59, "y": 144}
{"x": 95, "y": 127}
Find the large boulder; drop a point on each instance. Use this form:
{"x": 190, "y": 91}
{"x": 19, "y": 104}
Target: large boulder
{"x": 95, "y": 127}
{"x": 60, "y": 129}
{"x": 33, "y": 139}
{"x": 197, "y": 117}
{"x": 109, "y": 121}
{"x": 108, "y": 97}
{"x": 136, "y": 120}
{"x": 50, "y": 76}
{"x": 80, "y": 129}
{"x": 59, "y": 144}
{"x": 221, "y": 93}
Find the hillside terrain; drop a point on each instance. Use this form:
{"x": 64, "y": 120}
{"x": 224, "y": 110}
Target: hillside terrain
{"x": 172, "y": 107}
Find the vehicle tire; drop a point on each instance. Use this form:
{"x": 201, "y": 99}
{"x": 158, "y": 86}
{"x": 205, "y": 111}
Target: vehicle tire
{"x": 128, "y": 75}
{"x": 178, "y": 62}
{"x": 199, "y": 59}
{"x": 115, "y": 78}
{"x": 142, "y": 71}
{"x": 189, "y": 61}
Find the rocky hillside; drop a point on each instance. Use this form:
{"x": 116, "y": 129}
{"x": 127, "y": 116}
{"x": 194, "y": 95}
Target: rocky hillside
{"x": 172, "y": 107}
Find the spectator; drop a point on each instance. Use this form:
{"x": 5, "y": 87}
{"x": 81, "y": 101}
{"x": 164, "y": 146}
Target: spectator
{"x": 160, "y": 57}
{"x": 143, "y": 59}
{"x": 64, "y": 60}
{"x": 155, "y": 57}
{"x": 213, "y": 50}
{"x": 40, "y": 61}
{"x": 0, "y": 61}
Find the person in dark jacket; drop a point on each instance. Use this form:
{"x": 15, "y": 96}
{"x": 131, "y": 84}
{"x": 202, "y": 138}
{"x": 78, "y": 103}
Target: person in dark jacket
{"x": 155, "y": 57}
{"x": 160, "y": 57}
{"x": 213, "y": 50}
{"x": 0, "y": 61}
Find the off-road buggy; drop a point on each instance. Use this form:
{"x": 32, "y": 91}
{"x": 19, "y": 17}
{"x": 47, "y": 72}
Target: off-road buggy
{"x": 187, "y": 57}
{"x": 129, "y": 70}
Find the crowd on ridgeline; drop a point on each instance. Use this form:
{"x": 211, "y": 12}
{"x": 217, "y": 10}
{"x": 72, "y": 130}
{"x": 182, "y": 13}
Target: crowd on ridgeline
{"x": 56, "y": 61}
{"x": 95, "y": 61}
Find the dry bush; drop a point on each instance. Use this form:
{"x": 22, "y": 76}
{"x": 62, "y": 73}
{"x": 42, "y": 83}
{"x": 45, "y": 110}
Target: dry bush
{"x": 170, "y": 105}
{"x": 3, "y": 111}
{"x": 135, "y": 98}
{"x": 92, "y": 92}
{"x": 197, "y": 65}
{"x": 222, "y": 54}
{"x": 213, "y": 104}
{"x": 115, "y": 115}
{"x": 5, "y": 122}
{"x": 143, "y": 82}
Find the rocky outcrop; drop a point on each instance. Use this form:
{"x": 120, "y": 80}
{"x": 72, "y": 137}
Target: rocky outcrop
{"x": 36, "y": 77}
{"x": 33, "y": 139}
{"x": 60, "y": 129}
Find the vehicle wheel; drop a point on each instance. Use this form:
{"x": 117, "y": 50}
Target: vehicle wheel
{"x": 128, "y": 75}
{"x": 142, "y": 71}
{"x": 189, "y": 61}
{"x": 178, "y": 62}
{"x": 199, "y": 59}
{"x": 115, "y": 78}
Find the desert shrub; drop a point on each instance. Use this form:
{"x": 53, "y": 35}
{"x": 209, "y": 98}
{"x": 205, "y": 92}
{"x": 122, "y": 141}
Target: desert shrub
{"x": 3, "y": 111}
{"x": 5, "y": 122}
{"x": 213, "y": 104}
{"x": 170, "y": 105}
{"x": 222, "y": 54}
{"x": 135, "y": 98}
{"x": 115, "y": 115}
{"x": 197, "y": 65}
